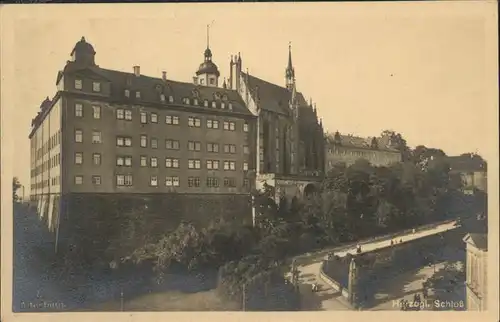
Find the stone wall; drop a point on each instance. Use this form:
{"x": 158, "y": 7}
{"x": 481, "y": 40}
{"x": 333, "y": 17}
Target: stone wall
{"x": 101, "y": 227}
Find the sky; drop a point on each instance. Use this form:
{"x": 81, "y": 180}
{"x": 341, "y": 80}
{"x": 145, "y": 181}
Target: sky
{"x": 427, "y": 70}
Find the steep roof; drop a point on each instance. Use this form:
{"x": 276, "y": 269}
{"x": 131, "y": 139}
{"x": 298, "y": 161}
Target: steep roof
{"x": 361, "y": 142}
{"x": 151, "y": 87}
{"x": 479, "y": 240}
{"x": 272, "y": 97}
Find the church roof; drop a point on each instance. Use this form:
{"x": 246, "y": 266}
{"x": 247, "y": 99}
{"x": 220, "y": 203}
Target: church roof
{"x": 272, "y": 97}
{"x": 361, "y": 142}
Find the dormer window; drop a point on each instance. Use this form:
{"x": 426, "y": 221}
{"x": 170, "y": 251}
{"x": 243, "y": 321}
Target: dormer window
{"x": 230, "y": 106}
{"x": 222, "y": 105}
{"x": 195, "y": 101}
{"x": 205, "y": 103}
{"x": 224, "y": 97}
{"x": 214, "y": 104}
{"x": 137, "y": 94}
{"x": 127, "y": 93}
{"x": 217, "y": 96}
{"x": 96, "y": 86}
{"x": 186, "y": 101}
{"x": 78, "y": 84}
{"x": 162, "y": 97}
{"x": 196, "y": 93}
{"x": 171, "y": 99}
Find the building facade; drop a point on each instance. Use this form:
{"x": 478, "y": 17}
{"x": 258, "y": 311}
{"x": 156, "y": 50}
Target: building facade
{"x": 113, "y": 134}
{"x": 348, "y": 148}
{"x": 477, "y": 271}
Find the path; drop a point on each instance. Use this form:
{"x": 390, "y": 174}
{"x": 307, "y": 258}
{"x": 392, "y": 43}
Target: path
{"x": 328, "y": 299}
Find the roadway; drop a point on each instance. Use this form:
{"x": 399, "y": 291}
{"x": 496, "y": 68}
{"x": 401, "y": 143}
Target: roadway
{"x": 327, "y": 298}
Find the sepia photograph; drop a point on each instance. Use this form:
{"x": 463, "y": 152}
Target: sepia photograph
{"x": 249, "y": 157}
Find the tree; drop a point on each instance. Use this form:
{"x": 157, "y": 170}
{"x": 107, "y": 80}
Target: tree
{"x": 397, "y": 141}
{"x": 16, "y": 185}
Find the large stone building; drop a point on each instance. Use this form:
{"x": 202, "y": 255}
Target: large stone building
{"x": 472, "y": 170}
{"x": 108, "y": 133}
{"x": 349, "y": 148}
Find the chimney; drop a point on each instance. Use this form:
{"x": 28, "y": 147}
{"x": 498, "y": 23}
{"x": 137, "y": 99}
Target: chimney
{"x": 164, "y": 75}
{"x": 137, "y": 71}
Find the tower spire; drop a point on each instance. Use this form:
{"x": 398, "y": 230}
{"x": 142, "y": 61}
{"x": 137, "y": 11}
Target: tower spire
{"x": 208, "y": 36}
{"x": 290, "y": 72}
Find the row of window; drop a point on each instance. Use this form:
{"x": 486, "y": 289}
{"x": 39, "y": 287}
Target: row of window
{"x": 123, "y": 180}
{"x": 125, "y": 114}
{"x": 96, "y": 87}
{"x": 54, "y": 161}
{"x": 52, "y": 142}
{"x": 126, "y": 161}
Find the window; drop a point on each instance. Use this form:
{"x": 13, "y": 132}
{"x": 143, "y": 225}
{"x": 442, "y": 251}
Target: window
{"x": 186, "y": 101}
{"x": 172, "y": 181}
{"x": 169, "y": 119}
{"x": 194, "y": 122}
{"x": 120, "y": 161}
{"x": 78, "y": 158}
{"x": 226, "y": 125}
{"x": 78, "y": 180}
{"x": 97, "y": 111}
{"x": 96, "y": 86}
{"x": 123, "y": 141}
{"x": 212, "y": 164}
{"x": 154, "y": 143}
{"x": 78, "y": 110}
{"x": 214, "y": 105}
{"x": 127, "y": 93}
{"x": 153, "y": 162}
{"x": 194, "y": 164}
{"x": 137, "y": 94}
{"x": 144, "y": 118}
{"x": 153, "y": 181}
{"x": 230, "y": 106}
{"x": 212, "y": 124}
{"x": 128, "y": 161}
{"x": 124, "y": 180}
{"x": 195, "y": 101}
{"x": 96, "y": 180}
{"x": 162, "y": 97}
{"x": 246, "y": 150}
{"x": 193, "y": 182}
{"x": 119, "y": 114}
{"x": 128, "y": 115}
{"x": 205, "y": 103}
{"x": 194, "y": 146}
{"x": 96, "y": 137}
{"x": 172, "y": 144}
{"x": 229, "y": 182}
{"x": 245, "y": 127}
{"x": 212, "y": 182}
{"x": 246, "y": 183}
{"x": 222, "y": 105}
{"x": 229, "y": 165}
{"x": 78, "y": 84}
{"x": 144, "y": 161}
{"x": 229, "y": 148}
{"x": 171, "y": 99}
{"x": 245, "y": 166}
{"x": 154, "y": 118}
{"x": 171, "y": 163}
{"x": 144, "y": 141}
{"x": 213, "y": 147}
{"x": 78, "y": 136}
{"x": 96, "y": 158}
{"x": 212, "y": 81}
{"x": 231, "y": 126}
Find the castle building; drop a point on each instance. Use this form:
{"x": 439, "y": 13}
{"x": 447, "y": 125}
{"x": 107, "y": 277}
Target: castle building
{"x": 108, "y": 133}
{"x": 472, "y": 170}
{"x": 348, "y": 148}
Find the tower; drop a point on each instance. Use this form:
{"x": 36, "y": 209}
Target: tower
{"x": 208, "y": 73}
{"x": 290, "y": 71}
{"x": 83, "y": 53}
{"x": 235, "y": 72}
